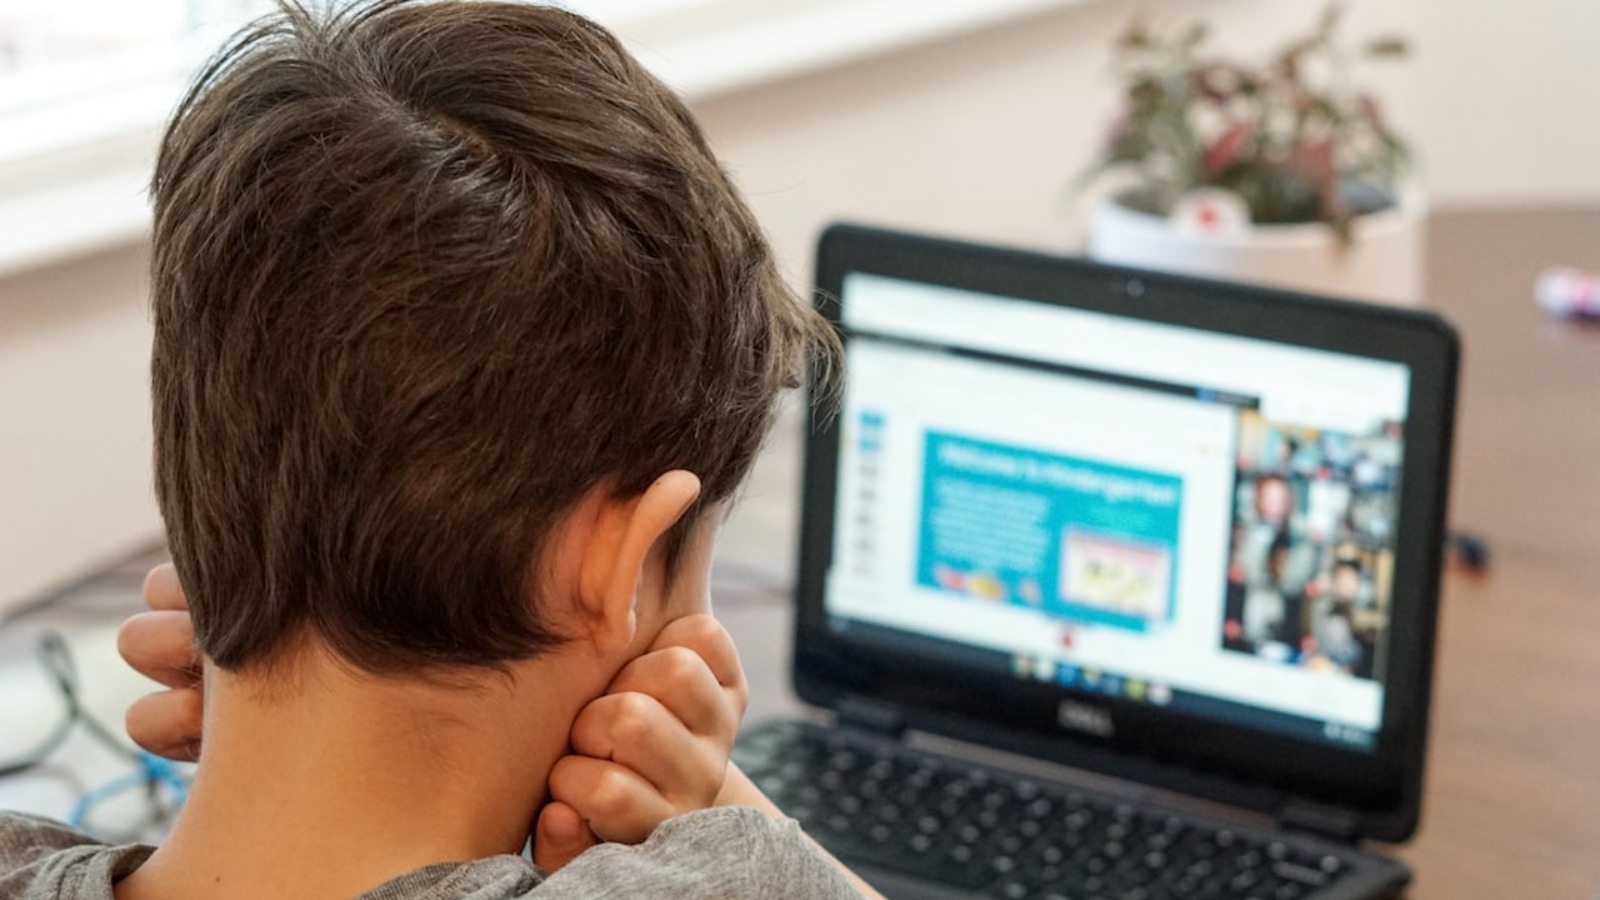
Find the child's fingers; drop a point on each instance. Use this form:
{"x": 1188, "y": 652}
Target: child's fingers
{"x": 680, "y": 680}
{"x": 167, "y": 723}
{"x": 560, "y": 836}
{"x": 635, "y": 730}
{"x": 707, "y": 639}
{"x": 162, "y": 590}
{"x": 160, "y": 645}
{"x": 615, "y": 801}
{"x": 705, "y": 636}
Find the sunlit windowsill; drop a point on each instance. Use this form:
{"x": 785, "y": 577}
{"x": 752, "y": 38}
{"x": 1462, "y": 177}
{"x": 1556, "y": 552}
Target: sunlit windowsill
{"x": 90, "y": 196}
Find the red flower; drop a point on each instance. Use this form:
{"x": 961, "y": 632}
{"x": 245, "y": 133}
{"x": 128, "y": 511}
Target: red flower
{"x": 1211, "y": 84}
{"x": 1225, "y": 150}
{"x": 1314, "y": 160}
{"x": 1370, "y": 110}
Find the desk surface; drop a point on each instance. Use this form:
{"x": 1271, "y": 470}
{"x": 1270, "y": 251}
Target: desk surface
{"x": 1513, "y": 797}
{"x": 1513, "y": 800}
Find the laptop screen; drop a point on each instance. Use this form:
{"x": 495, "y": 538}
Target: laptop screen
{"x": 1169, "y": 516}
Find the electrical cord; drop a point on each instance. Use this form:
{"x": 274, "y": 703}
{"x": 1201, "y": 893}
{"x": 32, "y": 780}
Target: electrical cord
{"x": 57, "y": 662}
{"x": 151, "y": 772}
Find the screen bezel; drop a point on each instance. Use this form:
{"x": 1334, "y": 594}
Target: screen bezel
{"x": 1256, "y": 769}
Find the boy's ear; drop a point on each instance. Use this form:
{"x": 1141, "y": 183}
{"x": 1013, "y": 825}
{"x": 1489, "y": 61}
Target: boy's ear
{"x": 625, "y": 530}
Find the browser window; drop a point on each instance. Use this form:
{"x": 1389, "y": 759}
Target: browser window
{"x": 1176, "y": 517}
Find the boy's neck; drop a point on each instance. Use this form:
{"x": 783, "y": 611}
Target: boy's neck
{"x": 345, "y": 781}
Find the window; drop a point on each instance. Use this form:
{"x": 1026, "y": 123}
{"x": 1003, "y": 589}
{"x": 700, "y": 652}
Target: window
{"x": 86, "y": 84}
{"x": 80, "y": 71}
{"x": 75, "y": 72}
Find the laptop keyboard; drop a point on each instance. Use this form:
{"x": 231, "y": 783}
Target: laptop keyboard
{"x": 1007, "y": 836}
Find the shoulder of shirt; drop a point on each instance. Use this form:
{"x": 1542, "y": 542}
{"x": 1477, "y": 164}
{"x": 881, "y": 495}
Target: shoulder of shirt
{"x": 41, "y": 858}
{"x": 735, "y": 830}
{"x": 25, "y": 838}
{"x": 721, "y": 853}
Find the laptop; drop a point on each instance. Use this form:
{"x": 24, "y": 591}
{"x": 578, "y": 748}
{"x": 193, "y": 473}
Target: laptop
{"x": 1112, "y": 583}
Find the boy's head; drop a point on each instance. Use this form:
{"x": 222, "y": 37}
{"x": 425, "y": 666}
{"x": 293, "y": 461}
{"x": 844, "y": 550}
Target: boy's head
{"x": 424, "y": 275}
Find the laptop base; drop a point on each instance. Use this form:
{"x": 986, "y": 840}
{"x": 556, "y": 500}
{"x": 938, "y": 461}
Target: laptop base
{"x": 919, "y": 824}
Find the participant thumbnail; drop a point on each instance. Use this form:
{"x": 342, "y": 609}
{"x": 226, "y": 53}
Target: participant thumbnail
{"x": 1312, "y": 550}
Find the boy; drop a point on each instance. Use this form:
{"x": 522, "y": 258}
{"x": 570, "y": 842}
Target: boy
{"x": 462, "y": 342}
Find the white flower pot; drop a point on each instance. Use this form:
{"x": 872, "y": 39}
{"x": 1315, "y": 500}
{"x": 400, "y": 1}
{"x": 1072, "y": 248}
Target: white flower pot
{"x": 1383, "y": 262}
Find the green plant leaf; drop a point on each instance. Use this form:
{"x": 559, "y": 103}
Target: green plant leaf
{"x": 1136, "y": 35}
{"x": 1328, "y": 25}
{"x": 1388, "y": 48}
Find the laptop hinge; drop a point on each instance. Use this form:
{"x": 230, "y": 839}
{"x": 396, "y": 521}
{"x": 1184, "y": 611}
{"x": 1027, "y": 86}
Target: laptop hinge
{"x": 868, "y": 715}
{"x": 1327, "y": 822}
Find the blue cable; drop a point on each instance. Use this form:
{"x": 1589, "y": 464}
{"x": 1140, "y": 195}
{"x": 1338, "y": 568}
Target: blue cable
{"x": 153, "y": 772}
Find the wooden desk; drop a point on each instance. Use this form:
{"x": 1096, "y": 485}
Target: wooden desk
{"x": 1513, "y": 801}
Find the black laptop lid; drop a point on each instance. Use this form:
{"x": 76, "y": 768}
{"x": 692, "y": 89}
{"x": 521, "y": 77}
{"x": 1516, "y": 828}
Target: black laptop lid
{"x": 1169, "y": 529}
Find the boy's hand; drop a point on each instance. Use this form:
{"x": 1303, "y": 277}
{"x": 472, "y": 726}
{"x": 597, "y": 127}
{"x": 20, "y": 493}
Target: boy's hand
{"x": 654, "y": 746}
{"x": 160, "y": 645}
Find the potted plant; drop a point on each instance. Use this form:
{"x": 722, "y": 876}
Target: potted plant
{"x": 1281, "y": 172}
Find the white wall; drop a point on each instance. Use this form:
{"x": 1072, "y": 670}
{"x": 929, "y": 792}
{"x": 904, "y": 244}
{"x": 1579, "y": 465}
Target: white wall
{"x": 1512, "y": 101}
{"x": 976, "y": 136}
{"x": 74, "y": 420}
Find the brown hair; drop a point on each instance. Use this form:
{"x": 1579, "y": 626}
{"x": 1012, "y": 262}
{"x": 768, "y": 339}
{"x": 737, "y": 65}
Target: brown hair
{"x": 423, "y": 274}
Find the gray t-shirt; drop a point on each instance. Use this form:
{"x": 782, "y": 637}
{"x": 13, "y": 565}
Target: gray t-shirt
{"x": 714, "y": 854}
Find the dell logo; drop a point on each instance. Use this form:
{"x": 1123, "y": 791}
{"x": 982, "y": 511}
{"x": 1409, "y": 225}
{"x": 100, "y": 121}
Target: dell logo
{"x": 1075, "y": 716}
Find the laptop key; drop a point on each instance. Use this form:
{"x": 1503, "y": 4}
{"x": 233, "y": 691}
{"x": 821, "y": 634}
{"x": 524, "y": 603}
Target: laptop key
{"x": 1014, "y": 890}
{"x": 1299, "y": 874}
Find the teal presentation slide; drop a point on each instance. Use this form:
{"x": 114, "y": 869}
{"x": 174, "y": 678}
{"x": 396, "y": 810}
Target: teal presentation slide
{"x": 1075, "y": 538}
